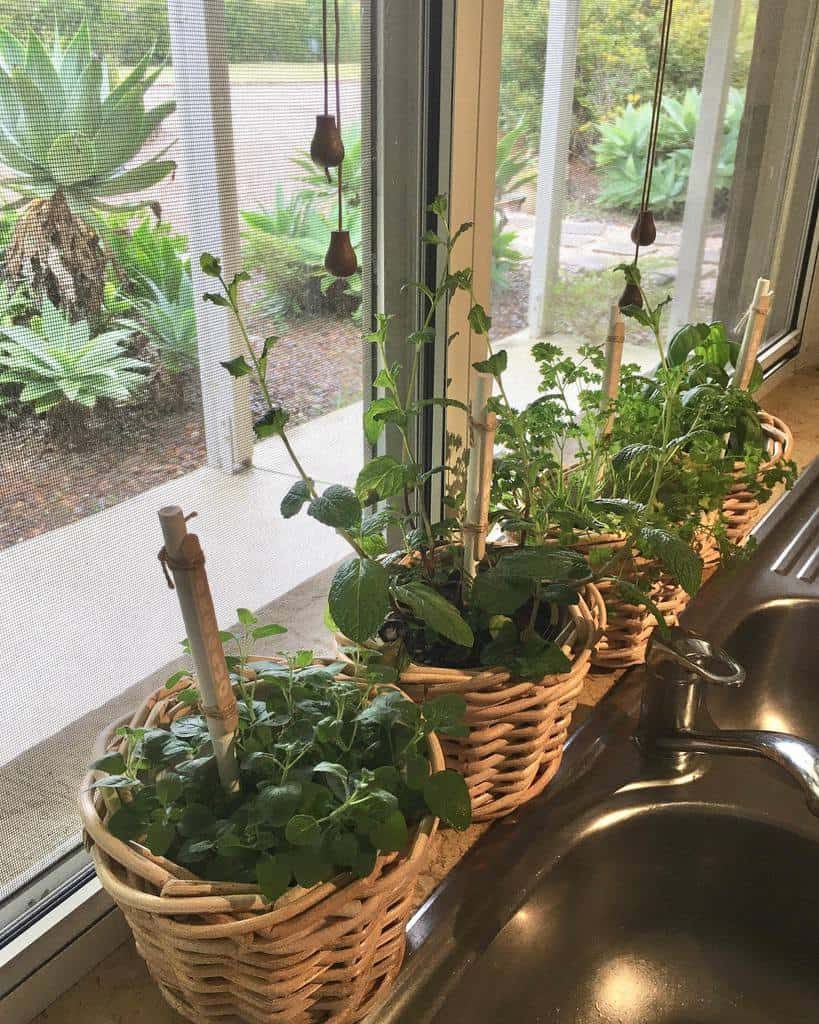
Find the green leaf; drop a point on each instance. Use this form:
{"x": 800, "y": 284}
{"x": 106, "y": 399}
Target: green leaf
{"x": 380, "y": 412}
{"x": 447, "y": 796}
{"x": 245, "y": 616}
{"x": 445, "y": 714}
{"x": 273, "y": 875}
{"x": 359, "y": 598}
{"x": 480, "y": 322}
{"x": 543, "y": 564}
{"x": 417, "y": 771}
{"x": 631, "y": 593}
{"x": 177, "y": 677}
{"x": 295, "y": 498}
{"x": 196, "y": 819}
{"x": 115, "y": 782}
{"x": 113, "y": 764}
{"x": 338, "y": 507}
{"x": 272, "y": 424}
{"x": 310, "y": 867}
{"x": 616, "y": 506}
{"x": 539, "y": 658}
{"x": 217, "y": 300}
{"x": 383, "y": 476}
{"x": 168, "y": 788}
{"x": 271, "y": 629}
{"x": 675, "y": 554}
{"x": 276, "y": 805}
{"x": 159, "y": 837}
{"x": 390, "y": 835}
{"x": 499, "y": 595}
{"x": 434, "y": 610}
{"x": 303, "y": 830}
{"x": 495, "y": 364}
{"x": 210, "y": 265}
{"x": 126, "y": 823}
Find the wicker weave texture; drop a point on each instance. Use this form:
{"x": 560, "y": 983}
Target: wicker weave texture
{"x": 516, "y": 730}
{"x": 629, "y": 627}
{"x": 219, "y": 952}
{"x": 741, "y": 509}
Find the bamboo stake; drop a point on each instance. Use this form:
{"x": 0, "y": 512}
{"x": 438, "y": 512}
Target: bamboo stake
{"x": 755, "y": 320}
{"x": 479, "y": 473}
{"x": 614, "y": 358}
{"x": 183, "y": 555}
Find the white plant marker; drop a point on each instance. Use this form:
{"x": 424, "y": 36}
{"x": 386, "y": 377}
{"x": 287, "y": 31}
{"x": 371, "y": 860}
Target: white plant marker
{"x": 479, "y": 473}
{"x": 614, "y": 358}
{"x": 755, "y": 320}
{"x": 184, "y": 557}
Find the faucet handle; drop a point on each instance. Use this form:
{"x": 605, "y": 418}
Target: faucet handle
{"x": 695, "y": 656}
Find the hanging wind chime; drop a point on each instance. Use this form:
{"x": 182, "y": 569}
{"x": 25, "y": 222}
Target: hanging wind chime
{"x": 644, "y": 231}
{"x": 327, "y": 151}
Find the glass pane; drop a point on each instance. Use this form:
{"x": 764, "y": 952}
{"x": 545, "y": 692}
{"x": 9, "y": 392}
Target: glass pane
{"x": 569, "y": 175}
{"x": 113, "y": 404}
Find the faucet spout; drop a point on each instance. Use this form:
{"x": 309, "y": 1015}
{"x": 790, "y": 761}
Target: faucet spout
{"x": 798, "y": 757}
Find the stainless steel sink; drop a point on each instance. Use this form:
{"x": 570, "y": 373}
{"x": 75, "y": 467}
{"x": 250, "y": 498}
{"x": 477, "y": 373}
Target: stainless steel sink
{"x": 633, "y": 894}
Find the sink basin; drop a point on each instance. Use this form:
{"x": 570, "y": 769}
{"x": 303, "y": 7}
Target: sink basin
{"x": 778, "y": 644}
{"x": 642, "y": 892}
{"x": 658, "y": 918}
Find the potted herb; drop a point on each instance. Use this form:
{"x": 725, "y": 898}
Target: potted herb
{"x": 286, "y": 891}
{"x": 510, "y": 632}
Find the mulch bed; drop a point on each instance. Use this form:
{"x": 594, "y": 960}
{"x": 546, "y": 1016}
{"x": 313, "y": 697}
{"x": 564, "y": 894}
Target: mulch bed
{"x": 46, "y": 482}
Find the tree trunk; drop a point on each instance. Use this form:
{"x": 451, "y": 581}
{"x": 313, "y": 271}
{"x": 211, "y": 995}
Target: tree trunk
{"x": 59, "y": 257}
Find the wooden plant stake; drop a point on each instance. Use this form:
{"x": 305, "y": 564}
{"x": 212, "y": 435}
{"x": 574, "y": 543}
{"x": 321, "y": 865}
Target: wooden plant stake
{"x": 183, "y": 555}
{"x": 614, "y": 358}
{"x": 482, "y": 425}
{"x": 755, "y": 320}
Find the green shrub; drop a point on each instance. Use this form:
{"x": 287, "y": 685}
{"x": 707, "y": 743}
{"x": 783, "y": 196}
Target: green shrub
{"x": 621, "y": 152}
{"x": 169, "y": 322}
{"x": 152, "y": 255}
{"x": 257, "y": 30}
{"x": 57, "y": 362}
{"x": 615, "y": 57}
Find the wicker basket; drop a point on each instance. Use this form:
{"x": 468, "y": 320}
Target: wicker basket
{"x": 516, "y": 730}
{"x": 219, "y": 952}
{"x": 629, "y": 627}
{"x": 741, "y": 509}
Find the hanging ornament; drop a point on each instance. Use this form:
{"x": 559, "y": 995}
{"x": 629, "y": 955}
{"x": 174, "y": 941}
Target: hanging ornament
{"x": 644, "y": 231}
{"x": 341, "y": 259}
{"x": 326, "y": 149}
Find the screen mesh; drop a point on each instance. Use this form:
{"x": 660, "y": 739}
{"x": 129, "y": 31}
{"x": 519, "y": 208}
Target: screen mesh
{"x": 570, "y": 166}
{"x": 105, "y": 392}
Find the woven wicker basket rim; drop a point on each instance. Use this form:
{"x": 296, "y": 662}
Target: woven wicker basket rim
{"x": 153, "y": 870}
{"x": 594, "y": 620}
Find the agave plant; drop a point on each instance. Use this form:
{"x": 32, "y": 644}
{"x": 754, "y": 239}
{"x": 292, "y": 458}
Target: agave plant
{"x": 63, "y": 369}
{"x": 70, "y": 133}
{"x": 170, "y": 324}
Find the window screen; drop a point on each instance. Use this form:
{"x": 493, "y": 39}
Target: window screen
{"x": 112, "y": 402}
{"x": 575, "y": 105}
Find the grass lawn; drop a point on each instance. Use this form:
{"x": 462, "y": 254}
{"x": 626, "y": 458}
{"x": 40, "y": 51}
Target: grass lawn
{"x": 256, "y": 74}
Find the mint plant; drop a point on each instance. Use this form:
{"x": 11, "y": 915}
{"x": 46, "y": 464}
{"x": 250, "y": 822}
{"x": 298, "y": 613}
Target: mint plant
{"x": 334, "y": 770}
{"x": 417, "y": 600}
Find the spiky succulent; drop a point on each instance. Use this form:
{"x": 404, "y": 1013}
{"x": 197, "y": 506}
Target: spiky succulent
{"x": 67, "y": 124}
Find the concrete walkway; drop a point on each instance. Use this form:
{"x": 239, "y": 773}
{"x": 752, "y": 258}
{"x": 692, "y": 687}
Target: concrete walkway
{"x": 92, "y": 614}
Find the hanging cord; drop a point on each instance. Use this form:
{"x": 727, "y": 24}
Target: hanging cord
{"x": 338, "y": 111}
{"x": 324, "y": 56}
{"x": 654, "y": 126}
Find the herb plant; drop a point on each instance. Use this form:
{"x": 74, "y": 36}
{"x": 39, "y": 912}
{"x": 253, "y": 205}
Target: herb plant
{"x": 334, "y": 770}
{"x": 417, "y": 599}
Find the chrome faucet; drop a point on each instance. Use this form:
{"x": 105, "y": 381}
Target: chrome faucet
{"x": 674, "y": 717}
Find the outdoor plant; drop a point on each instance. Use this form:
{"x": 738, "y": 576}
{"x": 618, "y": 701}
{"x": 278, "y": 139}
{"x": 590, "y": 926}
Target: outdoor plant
{"x": 63, "y": 370}
{"x": 620, "y": 152}
{"x": 418, "y": 595}
{"x": 169, "y": 323}
{"x": 513, "y": 171}
{"x": 333, "y": 771}
{"x": 148, "y": 257}
{"x": 71, "y": 135}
